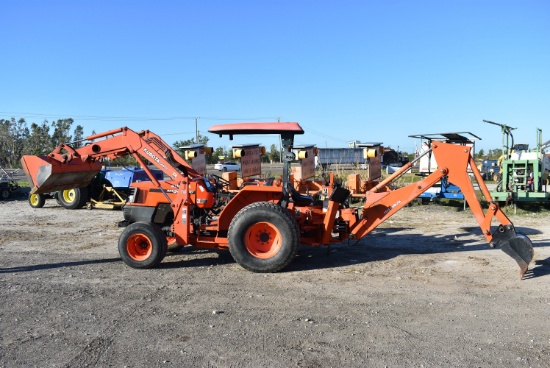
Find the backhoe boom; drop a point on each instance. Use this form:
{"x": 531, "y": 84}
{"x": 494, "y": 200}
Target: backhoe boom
{"x": 453, "y": 162}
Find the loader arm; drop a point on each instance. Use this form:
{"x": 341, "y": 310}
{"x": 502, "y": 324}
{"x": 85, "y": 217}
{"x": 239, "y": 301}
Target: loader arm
{"x": 453, "y": 161}
{"x": 68, "y": 167}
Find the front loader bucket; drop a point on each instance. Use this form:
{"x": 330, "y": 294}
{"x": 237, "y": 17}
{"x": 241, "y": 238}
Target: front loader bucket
{"x": 517, "y": 246}
{"x": 47, "y": 175}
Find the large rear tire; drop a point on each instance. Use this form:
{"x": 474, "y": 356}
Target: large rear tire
{"x": 263, "y": 237}
{"x": 142, "y": 245}
{"x": 37, "y": 200}
{"x": 73, "y": 198}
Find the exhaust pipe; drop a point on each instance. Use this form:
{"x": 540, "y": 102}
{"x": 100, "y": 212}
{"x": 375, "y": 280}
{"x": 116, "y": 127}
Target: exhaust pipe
{"x": 46, "y": 174}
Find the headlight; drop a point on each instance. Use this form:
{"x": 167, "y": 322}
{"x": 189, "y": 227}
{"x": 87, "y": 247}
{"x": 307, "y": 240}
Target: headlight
{"x": 133, "y": 195}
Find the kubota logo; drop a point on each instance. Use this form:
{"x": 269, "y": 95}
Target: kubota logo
{"x": 391, "y": 207}
{"x": 154, "y": 157}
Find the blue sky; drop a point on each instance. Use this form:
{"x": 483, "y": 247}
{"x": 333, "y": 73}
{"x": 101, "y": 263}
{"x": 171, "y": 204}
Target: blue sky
{"x": 365, "y": 70}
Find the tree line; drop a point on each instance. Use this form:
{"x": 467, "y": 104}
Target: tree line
{"x": 18, "y": 138}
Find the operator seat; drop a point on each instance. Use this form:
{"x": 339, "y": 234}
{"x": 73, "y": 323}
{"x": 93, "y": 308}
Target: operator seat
{"x": 298, "y": 198}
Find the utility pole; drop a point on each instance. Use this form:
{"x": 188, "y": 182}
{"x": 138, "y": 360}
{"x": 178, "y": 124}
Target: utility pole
{"x": 196, "y": 130}
{"x": 280, "y": 145}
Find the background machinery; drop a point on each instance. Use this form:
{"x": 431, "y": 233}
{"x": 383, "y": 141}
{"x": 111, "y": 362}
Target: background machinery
{"x": 8, "y": 184}
{"x": 444, "y": 189}
{"x": 489, "y": 170}
{"x": 353, "y": 156}
{"x": 524, "y": 172}
{"x": 261, "y": 225}
{"x": 109, "y": 189}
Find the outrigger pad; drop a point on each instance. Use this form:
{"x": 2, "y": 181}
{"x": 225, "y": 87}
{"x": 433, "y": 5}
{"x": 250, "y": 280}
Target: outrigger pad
{"x": 519, "y": 247}
{"x": 47, "y": 175}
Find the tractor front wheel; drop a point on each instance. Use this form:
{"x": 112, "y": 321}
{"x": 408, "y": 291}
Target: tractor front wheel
{"x": 173, "y": 245}
{"x": 142, "y": 245}
{"x": 263, "y": 237}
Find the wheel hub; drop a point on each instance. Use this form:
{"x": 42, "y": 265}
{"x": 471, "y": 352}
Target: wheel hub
{"x": 263, "y": 237}
{"x": 139, "y": 247}
{"x": 263, "y": 240}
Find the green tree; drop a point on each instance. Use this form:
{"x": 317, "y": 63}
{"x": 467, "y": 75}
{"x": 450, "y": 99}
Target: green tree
{"x": 494, "y": 154}
{"x": 219, "y": 152}
{"x": 274, "y": 153}
{"x": 210, "y": 159}
{"x": 61, "y": 130}
{"x": 480, "y": 154}
{"x": 78, "y": 135}
{"x": 13, "y": 134}
{"x": 202, "y": 140}
{"x": 215, "y": 156}
{"x": 39, "y": 141}
{"x": 229, "y": 155}
{"x": 124, "y": 161}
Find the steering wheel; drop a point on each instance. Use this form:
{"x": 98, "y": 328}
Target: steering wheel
{"x": 220, "y": 182}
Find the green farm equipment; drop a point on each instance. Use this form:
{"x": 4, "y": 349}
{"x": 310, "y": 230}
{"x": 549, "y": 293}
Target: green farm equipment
{"x": 523, "y": 172}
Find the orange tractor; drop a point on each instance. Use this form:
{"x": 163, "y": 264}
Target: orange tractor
{"x": 261, "y": 225}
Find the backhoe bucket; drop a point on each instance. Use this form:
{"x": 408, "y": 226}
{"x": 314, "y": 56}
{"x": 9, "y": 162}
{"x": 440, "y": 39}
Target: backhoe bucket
{"x": 517, "y": 246}
{"x": 47, "y": 175}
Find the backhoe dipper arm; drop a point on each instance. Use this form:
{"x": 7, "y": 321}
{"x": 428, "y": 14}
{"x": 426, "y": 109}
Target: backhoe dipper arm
{"x": 453, "y": 161}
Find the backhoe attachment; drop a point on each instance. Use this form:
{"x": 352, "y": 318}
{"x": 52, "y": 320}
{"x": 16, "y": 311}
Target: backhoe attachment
{"x": 453, "y": 161}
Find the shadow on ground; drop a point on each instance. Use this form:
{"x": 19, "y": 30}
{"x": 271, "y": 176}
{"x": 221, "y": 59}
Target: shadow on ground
{"x": 380, "y": 245}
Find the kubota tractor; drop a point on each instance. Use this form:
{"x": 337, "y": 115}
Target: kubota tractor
{"x": 261, "y": 225}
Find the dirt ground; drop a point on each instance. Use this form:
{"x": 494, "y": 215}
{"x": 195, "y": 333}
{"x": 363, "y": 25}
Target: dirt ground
{"x": 424, "y": 290}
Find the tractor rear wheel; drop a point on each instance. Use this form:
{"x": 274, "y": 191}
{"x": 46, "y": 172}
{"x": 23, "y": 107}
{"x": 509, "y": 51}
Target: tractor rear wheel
{"x": 263, "y": 237}
{"x": 37, "y": 200}
{"x": 73, "y": 198}
{"x": 142, "y": 245}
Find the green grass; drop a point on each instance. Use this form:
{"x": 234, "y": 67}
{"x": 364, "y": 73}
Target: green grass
{"x": 524, "y": 208}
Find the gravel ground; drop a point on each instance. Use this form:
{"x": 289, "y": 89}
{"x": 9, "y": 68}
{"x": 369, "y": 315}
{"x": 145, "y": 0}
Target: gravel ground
{"x": 423, "y": 290}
